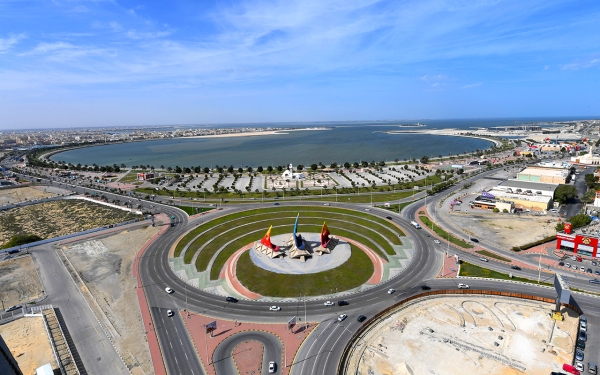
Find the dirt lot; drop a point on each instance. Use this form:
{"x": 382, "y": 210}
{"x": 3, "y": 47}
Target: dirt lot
{"x": 19, "y": 281}
{"x": 58, "y": 218}
{"x": 105, "y": 266}
{"x": 22, "y": 194}
{"x": 503, "y": 229}
{"x": 467, "y": 335}
{"x": 29, "y": 343}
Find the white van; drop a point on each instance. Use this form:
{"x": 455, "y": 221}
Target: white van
{"x": 415, "y": 224}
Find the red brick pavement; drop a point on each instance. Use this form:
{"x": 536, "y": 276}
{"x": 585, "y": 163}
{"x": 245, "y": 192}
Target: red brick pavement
{"x": 206, "y": 345}
{"x": 155, "y": 353}
{"x": 450, "y": 268}
{"x": 248, "y": 356}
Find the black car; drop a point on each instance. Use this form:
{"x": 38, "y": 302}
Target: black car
{"x": 595, "y": 281}
{"x": 582, "y": 336}
{"x": 561, "y": 263}
{"x": 589, "y": 270}
{"x": 388, "y": 217}
{"x": 474, "y": 240}
{"x": 516, "y": 268}
{"x": 361, "y": 318}
{"x": 425, "y": 287}
{"x": 343, "y": 303}
{"x": 231, "y": 299}
{"x": 581, "y": 345}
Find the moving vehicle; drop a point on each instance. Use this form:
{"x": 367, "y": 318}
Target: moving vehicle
{"x": 343, "y": 303}
{"x": 361, "y": 318}
{"x": 328, "y": 303}
{"x": 437, "y": 241}
{"x": 231, "y": 299}
{"x": 425, "y": 287}
{"x": 276, "y": 204}
{"x": 516, "y": 268}
{"x": 168, "y": 290}
{"x": 463, "y": 286}
{"x": 484, "y": 259}
{"x": 388, "y": 217}
{"x": 342, "y": 317}
{"x": 595, "y": 281}
{"x": 271, "y": 367}
{"x": 326, "y": 204}
{"x": 415, "y": 224}
{"x": 391, "y": 291}
{"x": 474, "y": 240}
{"x": 169, "y": 312}
{"x": 274, "y": 308}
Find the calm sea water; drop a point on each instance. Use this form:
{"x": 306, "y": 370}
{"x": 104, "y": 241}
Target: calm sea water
{"x": 343, "y": 142}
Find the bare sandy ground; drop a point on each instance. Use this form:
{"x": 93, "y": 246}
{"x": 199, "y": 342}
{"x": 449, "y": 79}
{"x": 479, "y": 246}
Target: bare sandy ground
{"x": 105, "y": 266}
{"x": 467, "y": 335}
{"x": 19, "y": 281}
{"x": 29, "y": 343}
{"x": 21, "y": 194}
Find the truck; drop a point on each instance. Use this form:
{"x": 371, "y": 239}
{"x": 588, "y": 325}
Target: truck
{"x": 415, "y": 224}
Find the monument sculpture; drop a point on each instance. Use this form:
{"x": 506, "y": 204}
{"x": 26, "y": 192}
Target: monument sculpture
{"x": 266, "y": 247}
{"x": 328, "y": 242}
{"x": 298, "y": 247}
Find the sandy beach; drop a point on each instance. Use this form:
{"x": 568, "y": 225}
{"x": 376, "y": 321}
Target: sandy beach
{"x": 252, "y": 134}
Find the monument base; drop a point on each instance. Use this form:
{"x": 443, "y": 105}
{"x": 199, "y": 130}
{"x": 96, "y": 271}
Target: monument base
{"x": 295, "y": 253}
{"x": 258, "y": 246}
{"x": 331, "y": 244}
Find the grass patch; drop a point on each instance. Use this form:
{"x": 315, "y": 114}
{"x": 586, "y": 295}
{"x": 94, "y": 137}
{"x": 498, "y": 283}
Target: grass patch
{"x": 398, "y": 207}
{"x": 471, "y": 270}
{"x": 353, "y": 273}
{"x": 442, "y": 233}
{"x": 193, "y": 210}
{"x": 489, "y": 254}
{"x": 21, "y": 239}
{"x": 390, "y": 231}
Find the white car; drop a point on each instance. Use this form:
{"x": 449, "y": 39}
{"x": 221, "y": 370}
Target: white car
{"x": 328, "y": 303}
{"x": 325, "y": 204}
{"x": 342, "y": 317}
{"x": 169, "y": 312}
{"x": 463, "y": 286}
{"x": 579, "y": 366}
{"x": 391, "y": 291}
{"x": 168, "y": 290}
{"x": 271, "y": 367}
{"x": 437, "y": 241}
{"x": 274, "y": 308}
{"x": 483, "y": 260}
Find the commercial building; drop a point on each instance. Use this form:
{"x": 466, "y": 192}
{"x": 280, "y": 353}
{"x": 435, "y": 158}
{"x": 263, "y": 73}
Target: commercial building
{"x": 544, "y": 174}
{"x": 8, "y": 364}
{"x": 145, "y": 176}
{"x": 485, "y": 203}
{"x": 527, "y": 188}
{"x": 582, "y": 241}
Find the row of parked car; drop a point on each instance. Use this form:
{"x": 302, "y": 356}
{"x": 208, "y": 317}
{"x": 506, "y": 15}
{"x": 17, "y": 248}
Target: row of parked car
{"x": 579, "y": 351}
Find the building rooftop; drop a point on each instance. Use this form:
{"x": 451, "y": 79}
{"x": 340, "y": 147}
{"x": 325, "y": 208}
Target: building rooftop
{"x": 527, "y": 185}
{"x": 531, "y": 198}
{"x": 545, "y": 171}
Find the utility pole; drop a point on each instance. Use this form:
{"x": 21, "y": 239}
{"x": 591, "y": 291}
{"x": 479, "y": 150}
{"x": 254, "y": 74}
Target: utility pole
{"x": 305, "y": 322}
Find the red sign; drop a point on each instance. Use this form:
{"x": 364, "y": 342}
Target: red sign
{"x": 568, "y": 227}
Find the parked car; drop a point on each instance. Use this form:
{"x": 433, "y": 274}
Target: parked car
{"x": 13, "y": 308}
{"x": 568, "y": 265}
{"x": 342, "y": 317}
{"x": 463, "y": 286}
{"x": 169, "y": 312}
{"x": 582, "y": 269}
{"x": 274, "y": 308}
{"x": 168, "y": 290}
{"x": 361, "y": 318}
{"x": 561, "y": 263}
{"x": 594, "y": 263}
{"x": 582, "y": 336}
{"x": 271, "y": 367}
{"x": 597, "y": 272}
{"x": 343, "y": 303}
{"x": 589, "y": 270}
{"x": 391, "y": 291}
{"x": 579, "y": 355}
{"x": 328, "y": 303}
{"x": 583, "y": 326}
{"x": 582, "y": 318}
{"x": 574, "y": 267}
{"x": 581, "y": 345}
{"x": 579, "y": 366}
{"x": 231, "y": 299}
{"x": 516, "y": 268}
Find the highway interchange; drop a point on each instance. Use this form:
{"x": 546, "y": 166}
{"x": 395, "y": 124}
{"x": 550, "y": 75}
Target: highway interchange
{"x": 321, "y": 351}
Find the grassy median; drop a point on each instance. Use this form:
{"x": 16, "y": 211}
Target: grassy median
{"x": 472, "y": 270}
{"x": 442, "y": 233}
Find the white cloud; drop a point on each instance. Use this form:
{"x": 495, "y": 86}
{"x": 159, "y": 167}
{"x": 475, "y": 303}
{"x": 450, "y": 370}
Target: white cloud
{"x": 7, "y": 43}
{"x": 582, "y": 64}
{"x": 472, "y": 85}
{"x": 133, "y": 34}
{"x": 44, "y": 48}
{"x": 433, "y": 78}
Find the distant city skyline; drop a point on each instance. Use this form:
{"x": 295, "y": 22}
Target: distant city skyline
{"x": 119, "y": 63}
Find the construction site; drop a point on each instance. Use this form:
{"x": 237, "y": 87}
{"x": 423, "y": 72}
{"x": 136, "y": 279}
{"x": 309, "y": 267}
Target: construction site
{"x": 467, "y": 334}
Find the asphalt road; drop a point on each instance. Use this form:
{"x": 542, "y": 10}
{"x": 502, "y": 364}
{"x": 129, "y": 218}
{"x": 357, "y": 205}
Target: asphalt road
{"x": 223, "y": 359}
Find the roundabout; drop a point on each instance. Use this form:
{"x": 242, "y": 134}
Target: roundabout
{"x": 226, "y": 255}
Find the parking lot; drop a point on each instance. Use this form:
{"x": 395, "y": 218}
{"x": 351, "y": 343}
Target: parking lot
{"x": 592, "y": 345}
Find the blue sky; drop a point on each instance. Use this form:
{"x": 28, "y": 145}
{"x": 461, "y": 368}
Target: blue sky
{"x": 107, "y": 63}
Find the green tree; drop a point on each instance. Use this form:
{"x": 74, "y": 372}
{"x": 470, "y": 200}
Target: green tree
{"x": 565, "y": 193}
{"x": 580, "y": 220}
{"x": 206, "y": 169}
{"x": 270, "y": 169}
{"x": 178, "y": 169}
{"x": 259, "y": 169}
{"x": 313, "y": 167}
{"x": 424, "y": 159}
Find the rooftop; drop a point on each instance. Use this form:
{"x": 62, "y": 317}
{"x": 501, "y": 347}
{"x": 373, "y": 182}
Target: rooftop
{"x": 545, "y": 171}
{"x": 527, "y": 185}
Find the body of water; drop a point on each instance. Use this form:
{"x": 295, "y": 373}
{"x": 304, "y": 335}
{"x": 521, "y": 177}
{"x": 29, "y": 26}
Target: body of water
{"x": 343, "y": 142}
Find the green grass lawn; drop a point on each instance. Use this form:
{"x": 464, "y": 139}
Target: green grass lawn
{"x": 131, "y": 176}
{"x": 442, "y": 233}
{"x": 471, "y": 270}
{"x": 193, "y": 210}
{"x": 353, "y": 273}
{"x": 324, "y": 213}
{"x": 489, "y": 254}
